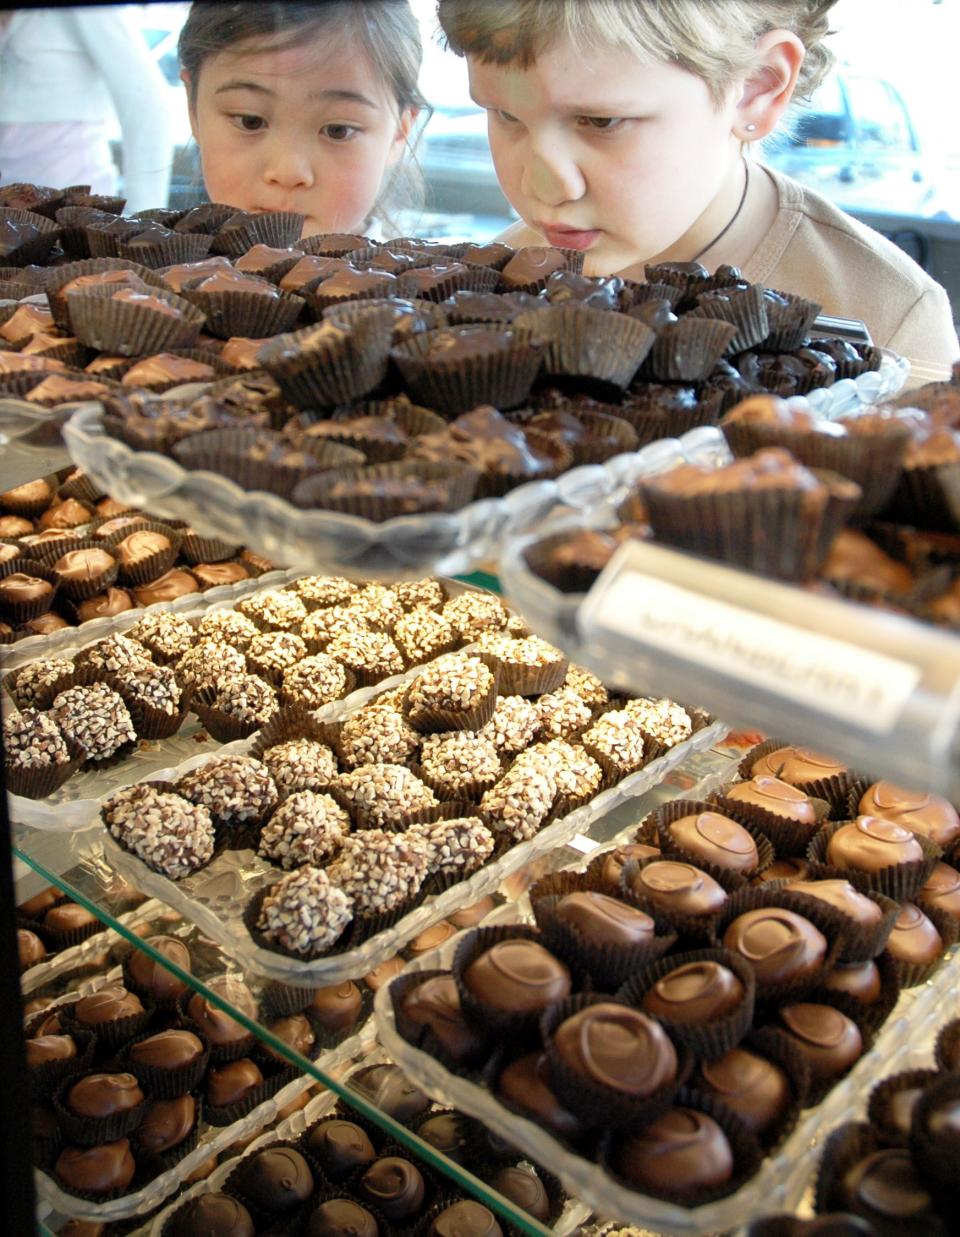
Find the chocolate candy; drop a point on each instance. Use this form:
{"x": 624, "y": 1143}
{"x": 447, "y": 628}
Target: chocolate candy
{"x": 277, "y": 1179}
{"x": 394, "y": 1186}
{"x": 296, "y": 1032}
{"x": 211, "y": 1215}
{"x": 97, "y": 1170}
{"x": 884, "y": 1188}
{"x": 678, "y": 888}
{"x": 165, "y": 1124}
{"x": 942, "y": 890}
{"x": 914, "y": 940}
{"x": 681, "y": 1152}
{"x": 797, "y": 764}
{"x": 341, "y": 1217}
{"x": 857, "y": 979}
{"x": 604, "y": 921}
{"x": 829, "y": 1040}
{"x": 614, "y": 862}
{"x": 83, "y": 564}
{"x": 168, "y": 1050}
{"x": 775, "y": 796}
{"x": 522, "y": 1186}
{"x": 214, "y": 1024}
{"x": 435, "y": 1005}
{"x": 103, "y": 1095}
{"x": 105, "y": 605}
{"x": 228, "y": 1084}
{"x": 841, "y": 895}
{"x": 44, "y": 1048}
{"x": 141, "y": 545}
{"x": 930, "y": 815}
{"x": 337, "y": 1007}
{"x": 518, "y": 977}
{"x": 41, "y": 902}
{"x": 465, "y": 1219}
{"x": 153, "y": 978}
{"x": 696, "y": 993}
{"x": 525, "y": 1083}
{"x": 713, "y": 838}
{"x": 780, "y": 945}
{"x": 870, "y": 844}
{"x": 107, "y": 1005}
{"x": 617, "y": 1047}
{"x": 447, "y": 1132}
{"x": 388, "y": 1088}
{"x": 339, "y": 1147}
{"x": 753, "y": 1087}
{"x": 20, "y": 588}
{"x": 168, "y": 587}
{"x": 69, "y": 917}
{"x": 30, "y": 948}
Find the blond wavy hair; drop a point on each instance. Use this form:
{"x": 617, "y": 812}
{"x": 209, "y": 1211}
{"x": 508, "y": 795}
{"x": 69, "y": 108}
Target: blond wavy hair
{"x": 715, "y": 39}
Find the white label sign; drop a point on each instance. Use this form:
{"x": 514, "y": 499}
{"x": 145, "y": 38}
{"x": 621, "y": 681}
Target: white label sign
{"x": 864, "y": 688}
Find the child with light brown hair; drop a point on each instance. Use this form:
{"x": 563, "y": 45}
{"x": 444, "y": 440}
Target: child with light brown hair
{"x": 627, "y": 129}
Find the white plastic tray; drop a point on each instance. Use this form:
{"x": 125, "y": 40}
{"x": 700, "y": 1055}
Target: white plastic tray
{"x": 782, "y": 1179}
{"x": 214, "y": 897}
{"x": 327, "y": 539}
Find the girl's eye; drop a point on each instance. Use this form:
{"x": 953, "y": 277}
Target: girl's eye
{"x": 339, "y": 133}
{"x": 604, "y": 123}
{"x": 248, "y": 122}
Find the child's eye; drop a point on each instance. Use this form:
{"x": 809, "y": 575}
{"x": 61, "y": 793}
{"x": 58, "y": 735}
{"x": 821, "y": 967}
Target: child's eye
{"x": 248, "y": 122}
{"x": 339, "y": 133}
{"x": 604, "y": 123}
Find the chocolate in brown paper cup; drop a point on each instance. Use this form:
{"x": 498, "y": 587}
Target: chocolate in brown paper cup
{"x": 861, "y": 943}
{"x": 62, "y": 275}
{"x": 845, "y": 1146}
{"x": 867, "y": 1025}
{"x": 613, "y": 771}
{"x": 48, "y": 1077}
{"x": 573, "y": 260}
{"x": 323, "y": 366}
{"x": 371, "y": 492}
{"x": 692, "y": 930}
{"x": 149, "y": 722}
{"x": 901, "y": 882}
{"x": 744, "y": 308}
{"x": 582, "y": 342}
{"x": 166, "y": 1084}
{"x": 790, "y": 838}
{"x": 668, "y": 813}
{"x": 19, "y": 563}
{"x": 460, "y": 279}
{"x": 227, "y": 1114}
{"x": 35, "y": 250}
{"x": 276, "y": 228}
{"x": 789, "y": 324}
{"x": 78, "y": 589}
{"x": 492, "y": 1020}
{"x": 476, "y": 1045}
{"x": 559, "y": 458}
{"x": 28, "y": 505}
{"x": 834, "y": 788}
{"x": 252, "y": 315}
{"x": 947, "y": 1048}
{"x": 343, "y": 1112}
{"x": 883, "y": 1097}
{"x": 825, "y": 919}
{"x": 150, "y": 567}
{"x": 526, "y": 678}
{"x": 154, "y": 1163}
{"x": 455, "y": 384}
{"x": 57, "y": 939}
{"x": 100, "y": 321}
{"x": 746, "y": 1153}
{"x": 43, "y": 696}
{"x": 708, "y": 1040}
{"x": 911, "y": 974}
{"x": 22, "y": 611}
{"x": 928, "y": 498}
{"x": 197, "y": 548}
{"x": 220, "y": 1054}
{"x": 607, "y": 437}
{"x": 432, "y": 719}
{"x": 223, "y": 727}
{"x": 38, "y": 782}
{"x": 687, "y": 350}
{"x": 91, "y": 1131}
{"x": 169, "y": 251}
{"x": 568, "y": 577}
{"x": 237, "y": 453}
{"x": 934, "y": 1153}
{"x": 595, "y": 1103}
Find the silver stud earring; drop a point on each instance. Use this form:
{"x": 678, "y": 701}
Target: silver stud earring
{"x": 750, "y": 128}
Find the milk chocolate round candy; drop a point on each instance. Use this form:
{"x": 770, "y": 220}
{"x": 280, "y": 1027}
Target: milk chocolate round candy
{"x": 435, "y": 1005}
{"x": 525, "y": 1083}
{"x": 337, "y": 1007}
{"x": 394, "y": 1186}
{"x": 930, "y": 815}
{"x": 776, "y": 796}
{"x": 713, "y": 838}
{"x": 97, "y": 1170}
{"x": 678, "y": 888}
{"x": 103, "y": 1095}
{"x": 604, "y": 921}
{"x": 339, "y": 1147}
{"x": 85, "y": 564}
{"x": 797, "y": 764}
{"x": 884, "y": 1188}
{"x": 69, "y": 917}
{"x": 841, "y": 895}
{"x": 614, "y": 862}
{"x": 829, "y": 1040}
{"x": 211, "y": 1215}
{"x": 107, "y": 1005}
{"x": 914, "y": 940}
{"x": 167, "y": 1050}
{"x": 753, "y": 1087}
{"x": 277, "y": 1179}
{"x": 465, "y": 1219}
{"x": 617, "y": 1047}
{"x": 30, "y": 948}
{"x": 44, "y": 1048}
{"x": 696, "y": 993}
{"x": 522, "y": 1186}
{"x": 294, "y": 1031}
{"x": 165, "y": 1124}
{"x": 138, "y": 546}
{"x": 870, "y": 844}
{"x": 105, "y": 605}
{"x": 942, "y": 890}
{"x": 858, "y": 979}
{"x": 518, "y": 976}
{"x": 150, "y": 976}
{"x": 683, "y": 1151}
{"x": 341, "y": 1217}
{"x": 780, "y": 945}
{"x": 229, "y": 1083}
{"x": 19, "y": 587}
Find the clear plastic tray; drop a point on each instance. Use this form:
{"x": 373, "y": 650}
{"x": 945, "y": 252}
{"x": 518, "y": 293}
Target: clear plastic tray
{"x": 782, "y": 1179}
{"x": 326, "y": 539}
{"x": 214, "y": 897}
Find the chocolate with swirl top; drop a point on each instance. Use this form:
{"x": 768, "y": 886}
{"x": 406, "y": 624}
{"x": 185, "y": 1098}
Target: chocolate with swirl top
{"x": 919, "y": 811}
{"x": 517, "y": 976}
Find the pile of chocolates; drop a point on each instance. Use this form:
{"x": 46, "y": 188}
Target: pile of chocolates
{"x": 862, "y": 507}
{"x": 69, "y": 554}
{"x": 406, "y": 795}
{"x": 235, "y": 668}
{"x": 681, "y": 1000}
{"x": 382, "y": 379}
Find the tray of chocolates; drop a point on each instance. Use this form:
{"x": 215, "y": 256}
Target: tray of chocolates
{"x": 724, "y": 977}
{"x": 316, "y": 849}
{"x": 102, "y": 714}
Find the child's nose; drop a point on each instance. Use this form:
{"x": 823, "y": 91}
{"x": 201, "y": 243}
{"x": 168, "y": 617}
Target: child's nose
{"x": 287, "y": 167}
{"x": 552, "y": 178}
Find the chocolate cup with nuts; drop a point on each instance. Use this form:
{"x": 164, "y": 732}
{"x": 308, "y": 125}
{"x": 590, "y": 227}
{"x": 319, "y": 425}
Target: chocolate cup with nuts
{"x": 477, "y": 703}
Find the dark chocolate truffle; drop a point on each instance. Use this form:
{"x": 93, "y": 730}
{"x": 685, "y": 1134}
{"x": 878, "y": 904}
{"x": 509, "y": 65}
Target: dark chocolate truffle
{"x": 165, "y": 1124}
{"x": 211, "y": 1215}
{"x": 713, "y": 838}
{"x": 229, "y": 1083}
{"x": 447, "y": 1132}
{"x": 681, "y": 1152}
{"x": 167, "y": 1050}
{"x": 753, "y": 1087}
{"x": 97, "y": 1170}
{"x": 214, "y": 1023}
{"x": 525, "y": 1083}
{"x": 151, "y": 977}
{"x": 103, "y": 1095}
{"x": 884, "y": 1188}
{"x": 388, "y": 1088}
{"x": 617, "y": 1047}
{"x": 697, "y": 993}
{"x": 829, "y": 1040}
{"x": 294, "y": 1031}
{"x": 276, "y": 1179}
{"x": 780, "y": 945}
{"x": 858, "y": 979}
{"x": 523, "y": 1187}
{"x": 518, "y": 976}
{"x": 339, "y": 1147}
{"x": 604, "y": 921}
{"x": 394, "y": 1186}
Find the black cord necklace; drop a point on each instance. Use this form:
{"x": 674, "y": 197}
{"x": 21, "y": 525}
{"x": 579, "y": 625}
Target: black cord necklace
{"x": 736, "y": 215}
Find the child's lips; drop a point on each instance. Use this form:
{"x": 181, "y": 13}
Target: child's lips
{"x": 569, "y": 238}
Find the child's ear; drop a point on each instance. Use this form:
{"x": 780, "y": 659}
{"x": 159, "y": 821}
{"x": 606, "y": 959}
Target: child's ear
{"x": 191, "y": 108}
{"x": 408, "y": 118}
{"x": 769, "y": 86}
